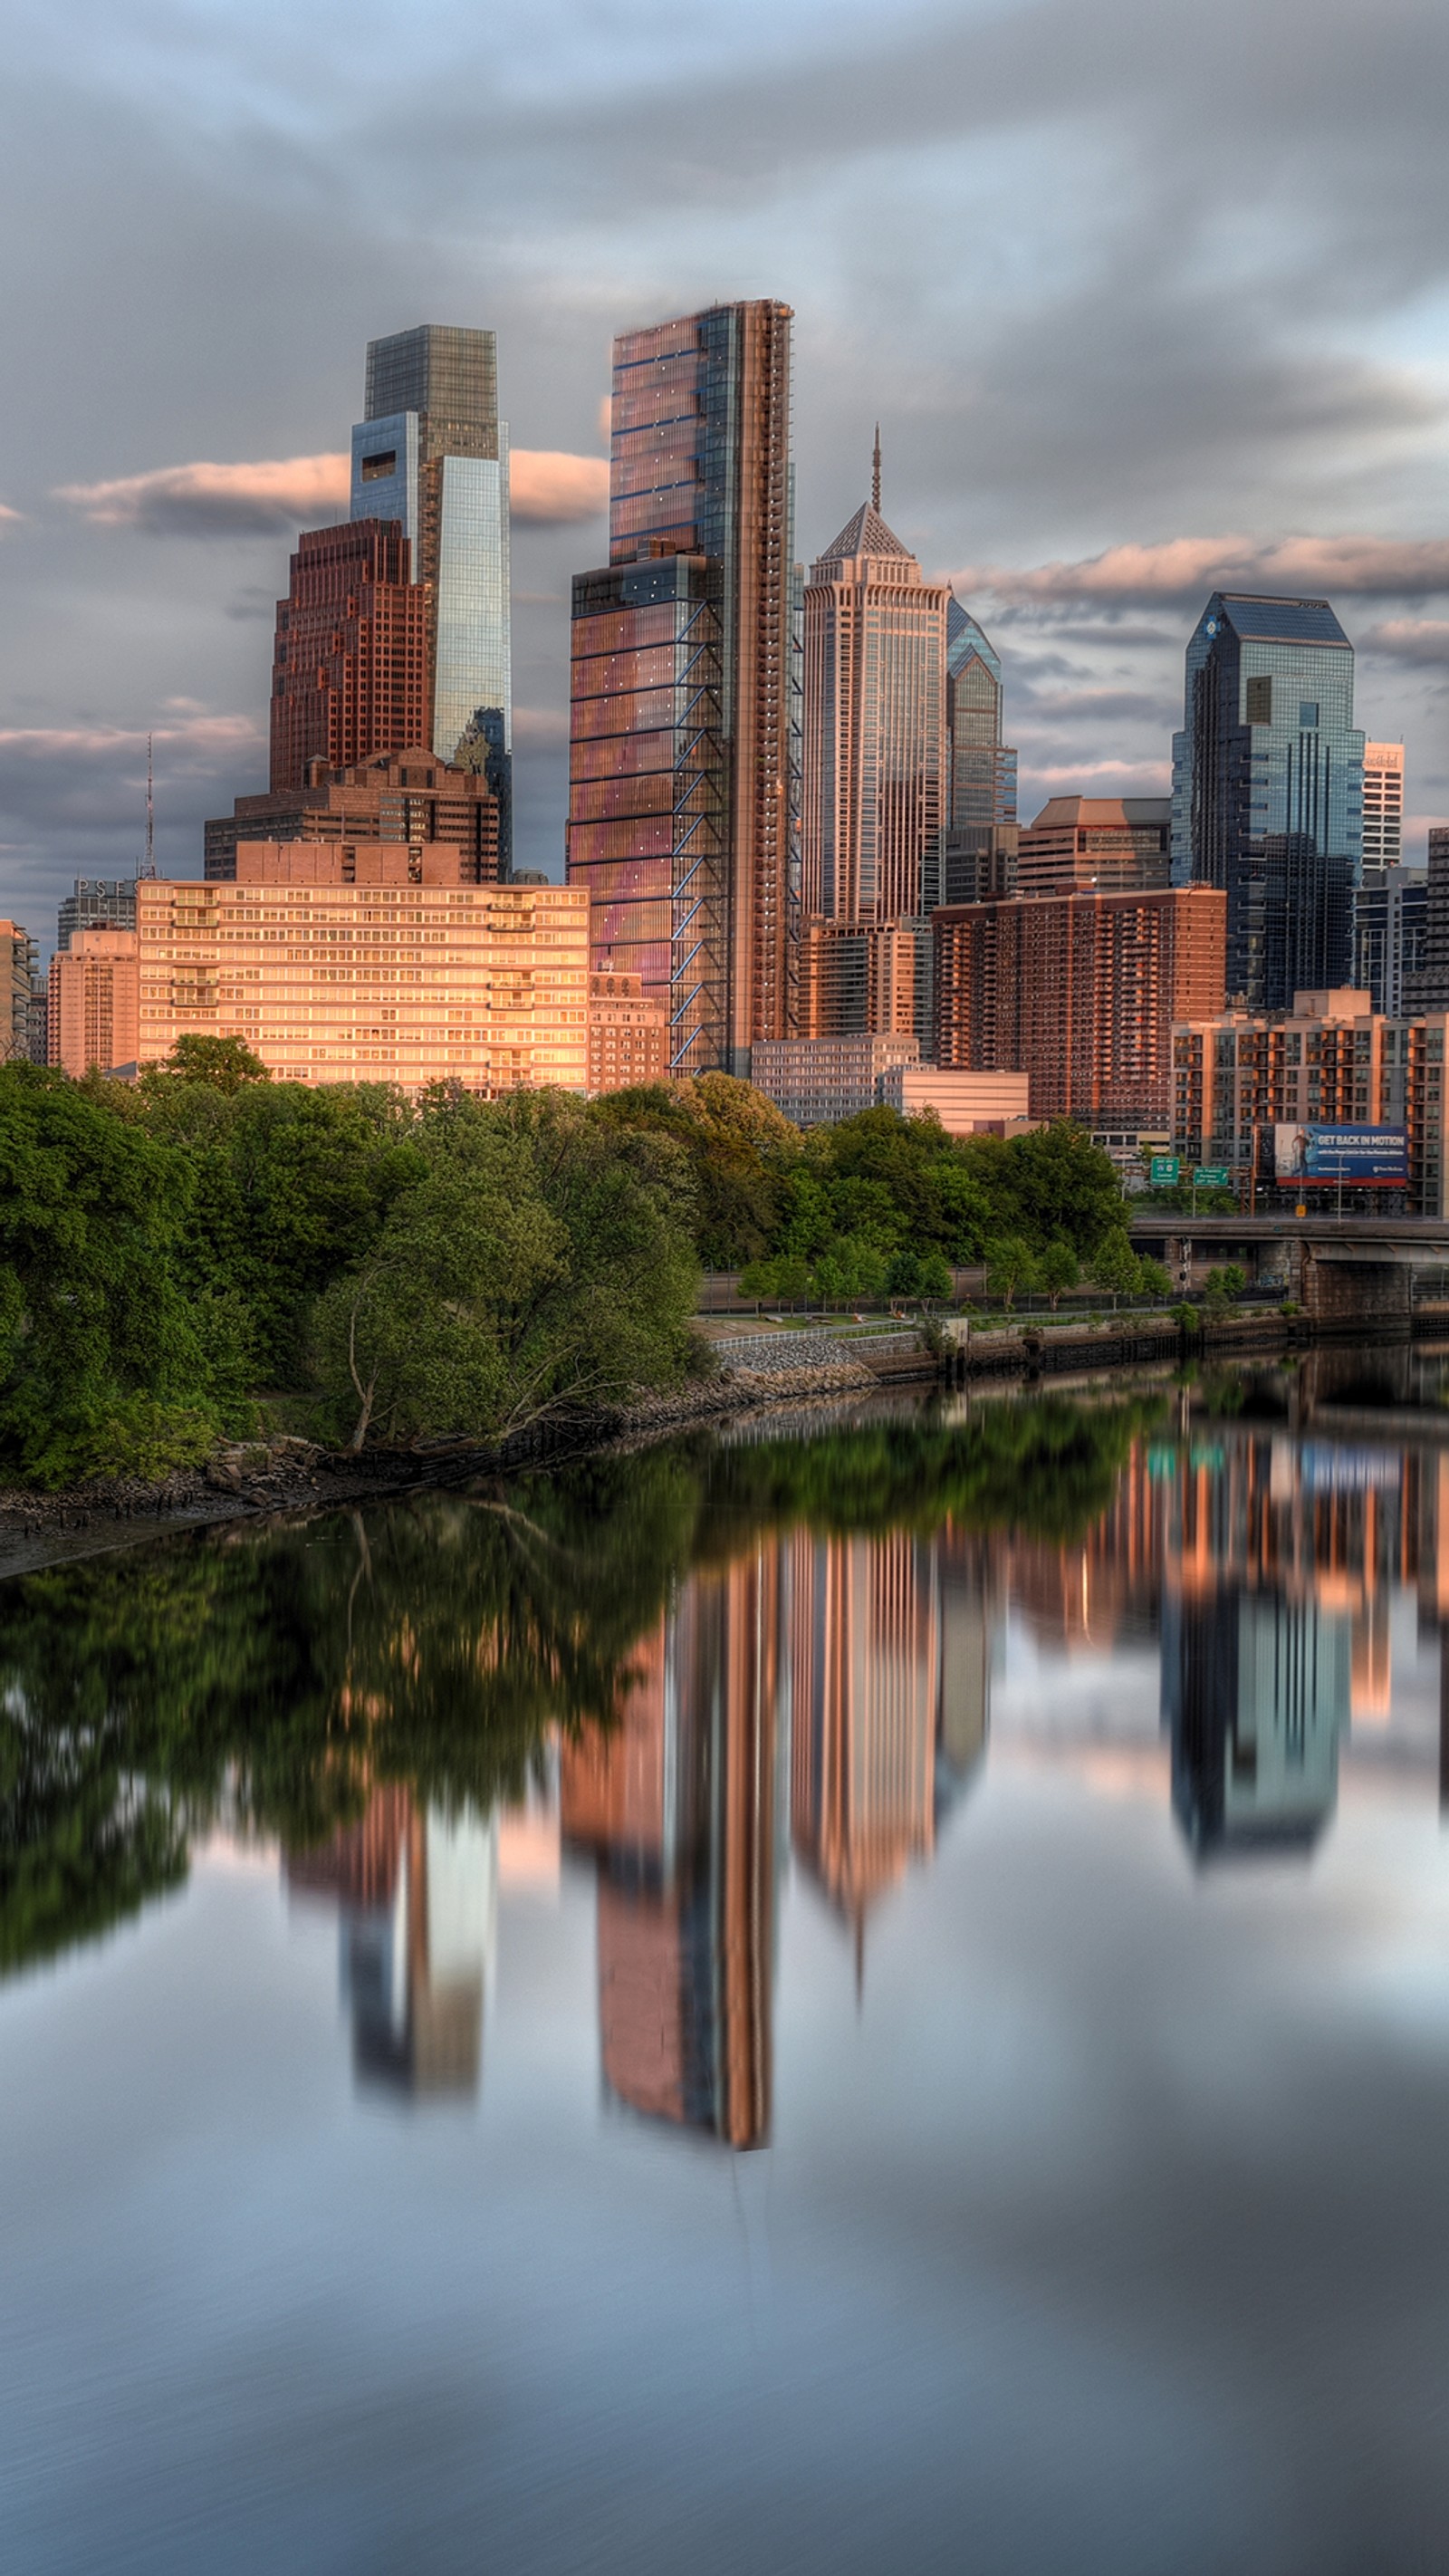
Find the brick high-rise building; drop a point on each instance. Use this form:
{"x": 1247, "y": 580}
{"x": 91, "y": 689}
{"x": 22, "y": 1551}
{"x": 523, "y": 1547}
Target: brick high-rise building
{"x": 1079, "y": 992}
{"x": 408, "y": 795}
{"x": 628, "y": 1034}
{"x": 94, "y": 1002}
{"x": 1383, "y": 804}
{"x": 350, "y": 662}
{"x": 684, "y": 725}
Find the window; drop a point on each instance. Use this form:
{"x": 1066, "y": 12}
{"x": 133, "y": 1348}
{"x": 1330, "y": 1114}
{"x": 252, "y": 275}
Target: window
{"x": 1260, "y": 701}
{"x": 1308, "y": 715}
{"x": 375, "y": 469}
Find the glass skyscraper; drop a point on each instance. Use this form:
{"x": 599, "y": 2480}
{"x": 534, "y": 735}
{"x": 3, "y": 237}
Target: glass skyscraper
{"x": 1268, "y": 791}
{"x": 433, "y": 454}
{"x": 683, "y": 799}
{"x": 981, "y": 820}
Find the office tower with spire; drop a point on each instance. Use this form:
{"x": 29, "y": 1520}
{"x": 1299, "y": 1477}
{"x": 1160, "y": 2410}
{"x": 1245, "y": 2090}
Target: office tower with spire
{"x": 875, "y": 780}
{"x": 432, "y": 455}
{"x": 683, "y": 760}
{"x": 1268, "y": 791}
{"x": 980, "y": 818}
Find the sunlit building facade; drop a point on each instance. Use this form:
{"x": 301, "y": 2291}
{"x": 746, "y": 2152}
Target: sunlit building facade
{"x": 18, "y": 953}
{"x": 432, "y": 454}
{"x": 684, "y": 724}
{"x": 628, "y": 1034}
{"x": 875, "y": 782}
{"x": 1113, "y": 844}
{"x": 1383, "y": 804}
{"x": 1080, "y": 992}
{"x": 1268, "y": 785}
{"x": 95, "y": 1002}
{"x": 381, "y": 963}
{"x": 96, "y": 903}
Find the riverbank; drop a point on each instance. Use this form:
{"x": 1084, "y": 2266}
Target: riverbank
{"x": 755, "y": 1373}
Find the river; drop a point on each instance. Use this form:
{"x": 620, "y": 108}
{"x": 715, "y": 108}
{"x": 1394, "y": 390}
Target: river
{"x": 867, "y": 1992}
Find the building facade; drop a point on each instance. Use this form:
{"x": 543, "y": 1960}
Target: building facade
{"x": 684, "y": 724}
{"x": 1268, "y": 790}
{"x": 1332, "y": 1061}
{"x": 18, "y": 953}
{"x": 1117, "y": 844}
{"x": 628, "y": 1034}
{"x": 406, "y": 972}
{"x": 350, "y": 659}
{"x": 96, "y": 903}
{"x": 94, "y": 1014}
{"x": 1383, "y": 804}
{"x": 817, "y": 1082}
{"x": 979, "y": 856}
{"x": 859, "y": 978}
{"x": 1390, "y": 936}
{"x": 1079, "y": 992}
{"x": 432, "y": 454}
{"x": 407, "y": 795}
{"x": 875, "y": 774}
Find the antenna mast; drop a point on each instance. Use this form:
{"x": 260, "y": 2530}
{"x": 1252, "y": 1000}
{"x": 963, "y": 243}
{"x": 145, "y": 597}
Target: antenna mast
{"x": 149, "y": 869}
{"x": 875, "y": 474}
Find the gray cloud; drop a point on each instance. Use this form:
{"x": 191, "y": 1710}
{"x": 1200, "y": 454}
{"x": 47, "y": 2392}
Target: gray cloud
{"x": 1101, "y": 285}
{"x": 1422, "y": 641}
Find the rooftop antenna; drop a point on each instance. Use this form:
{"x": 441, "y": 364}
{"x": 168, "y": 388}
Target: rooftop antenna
{"x": 875, "y": 474}
{"x": 149, "y": 869}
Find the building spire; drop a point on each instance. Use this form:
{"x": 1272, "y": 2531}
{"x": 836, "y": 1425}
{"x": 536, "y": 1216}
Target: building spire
{"x": 875, "y": 474}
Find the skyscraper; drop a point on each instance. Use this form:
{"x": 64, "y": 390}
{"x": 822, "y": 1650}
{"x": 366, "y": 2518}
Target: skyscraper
{"x": 683, "y": 759}
{"x": 1268, "y": 790}
{"x": 980, "y": 817}
{"x": 1383, "y": 804}
{"x": 350, "y": 661}
{"x": 875, "y": 788}
{"x": 432, "y": 453}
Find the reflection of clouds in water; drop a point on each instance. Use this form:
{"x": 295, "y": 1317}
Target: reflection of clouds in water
{"x": 1066, "y": 1698}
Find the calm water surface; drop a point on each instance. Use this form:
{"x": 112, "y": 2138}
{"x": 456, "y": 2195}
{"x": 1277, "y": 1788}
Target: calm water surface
{"x": 874, "y": 1996}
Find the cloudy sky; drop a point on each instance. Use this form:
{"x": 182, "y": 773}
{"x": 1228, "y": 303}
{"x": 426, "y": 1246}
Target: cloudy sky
{"x": 1143, "y": 298}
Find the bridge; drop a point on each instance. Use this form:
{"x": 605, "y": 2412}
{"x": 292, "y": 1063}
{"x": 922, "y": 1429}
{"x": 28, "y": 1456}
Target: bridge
{"x": 1341, "y": 1270}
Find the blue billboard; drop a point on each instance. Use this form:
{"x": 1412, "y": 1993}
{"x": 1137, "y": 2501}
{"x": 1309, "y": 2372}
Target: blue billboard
{"x": 1374, "y": 1158}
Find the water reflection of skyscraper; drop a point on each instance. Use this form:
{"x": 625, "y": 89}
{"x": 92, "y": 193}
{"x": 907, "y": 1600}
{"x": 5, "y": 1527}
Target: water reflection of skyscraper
{"x": 850, "y": 1674}
{"x": 417, "y": 1892}
{"x": 1255, "y": 1690}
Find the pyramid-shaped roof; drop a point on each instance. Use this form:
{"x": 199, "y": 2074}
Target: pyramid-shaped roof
{"x": 865, "y": 534}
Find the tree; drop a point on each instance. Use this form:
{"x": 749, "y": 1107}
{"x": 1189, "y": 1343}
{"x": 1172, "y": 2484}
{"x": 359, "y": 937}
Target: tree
{"x": 852, "y": 1272}
{"x": 1052, "y": 1181}
{"x": 106, "y": 1363}
{"x": 1224, "y": 1285}
{"x": 542, "y": 1263}
{"x": 1153, "y": 1280}
{"x": 1010, "y": 1267}
{"x": 1115, "y": 1267}
{"x": 1059, "y": 1270}
{"x": 224, "y": 1063}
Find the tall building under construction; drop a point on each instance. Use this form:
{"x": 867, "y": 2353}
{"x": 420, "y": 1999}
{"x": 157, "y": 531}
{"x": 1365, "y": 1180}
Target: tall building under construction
{"x": 684, "y": 724}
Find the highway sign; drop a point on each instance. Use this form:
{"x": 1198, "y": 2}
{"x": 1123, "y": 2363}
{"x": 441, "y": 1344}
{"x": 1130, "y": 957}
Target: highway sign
{"x": 1164, "y": 1170}
{"x": 1210, "y": 1176}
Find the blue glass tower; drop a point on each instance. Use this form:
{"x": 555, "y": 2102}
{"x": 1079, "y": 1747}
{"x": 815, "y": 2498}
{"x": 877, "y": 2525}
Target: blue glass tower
{"x": 980, "y": 816}
{"x": 1267, "y": 791}
{"x": 433, "y": 453}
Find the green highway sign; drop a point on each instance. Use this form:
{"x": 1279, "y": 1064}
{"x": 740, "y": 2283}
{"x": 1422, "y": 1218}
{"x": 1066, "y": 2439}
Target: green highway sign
{"x": 1210, "y": 1176}
{"x": 1163, "y": 1171}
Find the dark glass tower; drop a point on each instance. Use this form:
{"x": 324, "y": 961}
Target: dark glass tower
{"x": 684, "y": 762}
{"x": 433, "y": 453}
{"x": 1268, "y": 791}
{"x": 981, "y": 826}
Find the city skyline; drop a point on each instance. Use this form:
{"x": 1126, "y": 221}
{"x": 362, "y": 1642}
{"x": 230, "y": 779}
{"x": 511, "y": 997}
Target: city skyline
{"x": 1107, "y": 402}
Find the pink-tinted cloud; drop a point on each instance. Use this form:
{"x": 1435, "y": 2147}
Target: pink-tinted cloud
{"x": 540, "y": 728}
{"x": 552, "y": 488}
{"x": 275, "y": 495}
{"x": 1187, "y": 568}
{"x": 187, "y": 739}
{"x": 9, "y": 518}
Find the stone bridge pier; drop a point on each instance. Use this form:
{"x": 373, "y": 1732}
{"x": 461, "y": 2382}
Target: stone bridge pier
{"x": 1344, "y": 1295}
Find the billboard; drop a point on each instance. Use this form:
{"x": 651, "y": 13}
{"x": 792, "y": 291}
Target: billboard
{"x": 1360, "y": 1157}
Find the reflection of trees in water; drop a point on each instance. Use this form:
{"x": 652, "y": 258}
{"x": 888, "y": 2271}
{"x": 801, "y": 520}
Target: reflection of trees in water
{"x": 271, "y": 1678}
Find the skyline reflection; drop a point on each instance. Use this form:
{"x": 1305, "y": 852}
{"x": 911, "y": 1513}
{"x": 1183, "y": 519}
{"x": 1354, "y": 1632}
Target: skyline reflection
{"x": 709, "y": 1670}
